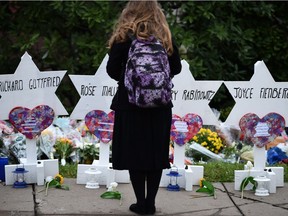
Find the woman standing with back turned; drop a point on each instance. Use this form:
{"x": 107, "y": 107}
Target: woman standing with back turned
{"x": 141, "y": 136}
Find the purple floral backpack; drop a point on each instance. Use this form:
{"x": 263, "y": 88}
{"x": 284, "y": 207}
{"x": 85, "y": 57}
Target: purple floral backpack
{"x": 147, "y": 76}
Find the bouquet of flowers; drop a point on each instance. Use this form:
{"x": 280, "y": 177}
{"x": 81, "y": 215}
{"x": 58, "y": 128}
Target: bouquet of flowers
{"x": 88, "y": 152}
{"x": 64, "y": 148}
{"x": 209, "y": 139}
{"x": 47, "y": 141}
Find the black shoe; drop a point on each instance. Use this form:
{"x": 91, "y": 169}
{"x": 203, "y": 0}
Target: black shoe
{"x": 137, "y": 209}
{"x": 150, "y": 210}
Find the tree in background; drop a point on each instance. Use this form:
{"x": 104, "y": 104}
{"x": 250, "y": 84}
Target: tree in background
{"x": 221, "y": 40}
{"x": 59, "y": 35}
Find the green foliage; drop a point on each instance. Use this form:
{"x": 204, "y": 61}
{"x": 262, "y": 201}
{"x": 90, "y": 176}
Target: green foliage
{"x": 207, "y": 188}
{"x": 246, "y": 181}
{"x": 221, "y": 171}
{"x": 111, "y": 195}
{"x": 69, "y": 170}
{"x": 88, "y": 153}
{"x": 224, "y": 39}
{"x": 56, "y": 184}
{"x": 59, "y": 35}
{"x": 221, "y": 40}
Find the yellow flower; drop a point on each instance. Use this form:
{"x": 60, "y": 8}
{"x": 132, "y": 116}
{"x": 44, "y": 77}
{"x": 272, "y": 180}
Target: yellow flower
{"x": 64, "y": 147}
{"x": 201, "y": 182}
{"x": 195, "y": 138}
{"x": 59, "y": 178}
{"x": 56, "y": 182}
{"x": 209, "y": 139}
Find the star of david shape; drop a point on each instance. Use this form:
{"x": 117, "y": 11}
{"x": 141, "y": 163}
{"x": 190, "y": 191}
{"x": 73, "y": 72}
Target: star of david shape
{"x": 28, "y": 87}
{"x": 193, "y": 96}
{"x": 96, "y": 91}
{"x": 261, "y": 95}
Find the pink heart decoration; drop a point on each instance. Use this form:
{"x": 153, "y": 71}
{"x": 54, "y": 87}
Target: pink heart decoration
{"x": 31, "y": 122}
{"x": 100, "y": 124}
{"x": 183, "y": 129}
{"x": 262, "y": 131}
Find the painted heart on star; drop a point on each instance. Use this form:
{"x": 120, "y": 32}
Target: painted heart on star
{"x": 183, "y": 129}
{"x": 100, "y": 124}
{"x": 31, "y": 122}
{"x": 262, "y": 131}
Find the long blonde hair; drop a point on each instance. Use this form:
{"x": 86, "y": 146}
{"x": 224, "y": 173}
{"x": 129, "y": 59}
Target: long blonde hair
{"x": 143, "y": 19}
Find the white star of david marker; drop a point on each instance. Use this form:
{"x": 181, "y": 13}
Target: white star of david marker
{"x": 28, "y": 87}
{"x": 261, "y": 95}
{"x": 96, "y": 91}
{"x": 191, "y": 96}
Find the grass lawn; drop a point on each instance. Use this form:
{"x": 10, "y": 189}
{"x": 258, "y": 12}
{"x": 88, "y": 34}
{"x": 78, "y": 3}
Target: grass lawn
{"x": 213, "y": 172}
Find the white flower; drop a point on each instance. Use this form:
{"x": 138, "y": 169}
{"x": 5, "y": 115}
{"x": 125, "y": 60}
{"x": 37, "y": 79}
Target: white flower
{"x": 49, "y": 178}
{"x": 113, "y": 186}
{"x": 110, "y": 188}
{"x": 249, "y": 165}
